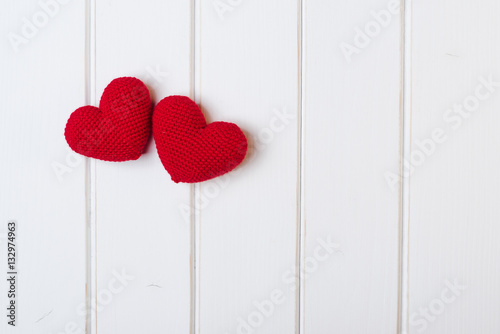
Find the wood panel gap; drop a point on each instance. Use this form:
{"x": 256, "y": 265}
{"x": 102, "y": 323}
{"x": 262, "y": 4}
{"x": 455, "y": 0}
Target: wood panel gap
{"x": 300, "y": 300}
{"x": 90, "y": 173}
{"x": 406, "y": 48}
{"x": 195, "y": 92}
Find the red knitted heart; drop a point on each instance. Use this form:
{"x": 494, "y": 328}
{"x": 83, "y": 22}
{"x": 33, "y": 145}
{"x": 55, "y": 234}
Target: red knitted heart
{"x": 190, "y": 150}
{"x": 116, "y": 131}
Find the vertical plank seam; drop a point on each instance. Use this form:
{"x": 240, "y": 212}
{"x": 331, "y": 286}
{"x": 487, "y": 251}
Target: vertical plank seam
{"x": 403, "y": 303}
{"x": 300, "y": 310}
{"x": 197, "y": 241}
{"x": 410, "y": 111}
{"x": 400, "y": 243}
{"x": 192, "y": 261}
{"x": 192, "y": 265}
{"x": 198, "y": 186}
{"x": 90, "y": 173}
{"x": 195, "y": 189}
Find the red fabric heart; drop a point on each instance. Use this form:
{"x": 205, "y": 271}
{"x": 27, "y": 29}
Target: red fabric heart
{"x": 190, "y": 150}
{"x": 116, "y": 131}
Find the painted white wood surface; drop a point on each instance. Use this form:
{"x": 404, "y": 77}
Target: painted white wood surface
{"x": 453, "y": 226}
{"x": 351, "y": 138}
{"x": 247, "y": 221}
{"x": 42, "y": 184}
{"x": 140, "y": 228}
{"x": 325, "y": 132}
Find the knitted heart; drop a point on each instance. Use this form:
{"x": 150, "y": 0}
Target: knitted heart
{"x": 189, "y": 149}
{"x": 116, "y": 131}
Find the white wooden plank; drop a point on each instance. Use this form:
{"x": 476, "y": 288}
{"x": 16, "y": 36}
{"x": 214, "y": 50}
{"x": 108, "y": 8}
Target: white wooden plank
{"x": 140, "y": 228}
{"x": 454, "y": 185}
{"x": 351, "y": 134}
{"x": 247, "y": 220}
{"x": 42, "y": 184}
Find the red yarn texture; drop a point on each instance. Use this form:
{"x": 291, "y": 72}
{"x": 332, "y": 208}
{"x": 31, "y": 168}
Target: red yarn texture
{"x": 190, "y": 150}
{"x": 116, "y": 131}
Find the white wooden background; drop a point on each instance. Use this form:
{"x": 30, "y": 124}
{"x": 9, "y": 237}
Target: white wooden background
{"x": 368, "y": 202}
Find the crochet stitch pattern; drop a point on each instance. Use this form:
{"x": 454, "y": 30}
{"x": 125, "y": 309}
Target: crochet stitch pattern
{"x": 190, "y": 150}
{"x": 119, "y": 129}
